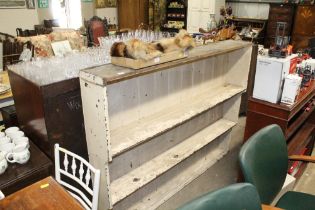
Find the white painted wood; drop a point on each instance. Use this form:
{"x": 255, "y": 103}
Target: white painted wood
{"x": 97, "y": 134}
{"x": 199, "y": 13}
{"x": 250, "y": 10}
{"x": 131, "y": 101}
{"x": 90, "y": 204}
{"x": 2, "y": 196}
{"x": 159, "y": 165}
{"x": 164, "y": 187}
{"x": 129, "y": 136}
{"x": 153, "y": 112}
{"x": 238, "y": 63}
{"x": 130, "y": 160}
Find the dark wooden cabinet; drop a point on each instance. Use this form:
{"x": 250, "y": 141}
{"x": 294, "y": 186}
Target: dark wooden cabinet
{"x": 304, "y": 26}
{"x": 279, "y": 13}
{"x": 133, "y": 13}
{"x": 50, "y": 114}
{"x": 297, "y": 121}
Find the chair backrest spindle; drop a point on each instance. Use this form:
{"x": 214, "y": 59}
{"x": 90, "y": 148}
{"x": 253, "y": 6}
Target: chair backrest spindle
{"x": 73, "y": 166}
{"x": 91, "y": 172}
{"x": 66, "y": 162}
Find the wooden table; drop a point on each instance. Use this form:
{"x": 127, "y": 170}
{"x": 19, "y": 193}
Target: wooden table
{"x": 6, "y": 99}
{"x": 46, "y": 194}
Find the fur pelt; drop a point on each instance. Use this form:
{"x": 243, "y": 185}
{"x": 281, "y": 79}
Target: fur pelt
{"x": 137, "y": 49}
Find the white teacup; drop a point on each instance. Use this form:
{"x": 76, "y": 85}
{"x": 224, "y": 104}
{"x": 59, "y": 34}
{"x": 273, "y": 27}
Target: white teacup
{"x": 21, "y": 147}
{"x": 11, "y": 130}
{"x": 3, "y": 163}
{"x": 16, "y": 134}
{"x": 2, "y": 134}
{"x": 18, "y": 157}
{"x": 5, "y": 140}
{"x": 8, "y": 147}
{"x": 21, "y": 140}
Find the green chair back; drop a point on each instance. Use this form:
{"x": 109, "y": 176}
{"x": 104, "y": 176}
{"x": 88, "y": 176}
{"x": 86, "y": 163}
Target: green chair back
{"x": 242, "y": 196}
{"x": 264, "y": 161}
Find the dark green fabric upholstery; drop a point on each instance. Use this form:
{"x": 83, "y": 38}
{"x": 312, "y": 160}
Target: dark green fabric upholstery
{"x": 242, "y": 196}
{"x": 264, "y": 161}
{"x": 297, "y": 201}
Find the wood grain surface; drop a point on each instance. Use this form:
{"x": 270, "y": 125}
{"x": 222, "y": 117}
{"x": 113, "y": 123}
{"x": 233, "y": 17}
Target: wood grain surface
{"x": 5, "y": 80}
{"x": 265, "y": 207}
{"x": 46, "y": 194}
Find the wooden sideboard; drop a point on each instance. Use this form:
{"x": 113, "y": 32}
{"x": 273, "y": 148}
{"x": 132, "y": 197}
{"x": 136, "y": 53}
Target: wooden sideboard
{"x": 297, "y": 121}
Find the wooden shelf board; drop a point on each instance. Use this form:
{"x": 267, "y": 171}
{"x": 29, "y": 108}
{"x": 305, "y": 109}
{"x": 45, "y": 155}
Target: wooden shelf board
{"x": 126, "y": 137}
{"x": 298, "y": 122}
{"x": 300, "y": 139}
{"x": 155, "y": 199}
{"x": 152, "y": 169}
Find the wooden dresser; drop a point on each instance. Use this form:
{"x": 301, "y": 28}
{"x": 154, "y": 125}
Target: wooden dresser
{"x": 304, "y": 26}
{"x": 297, "y": 121}
{"x": 278, "y": 13}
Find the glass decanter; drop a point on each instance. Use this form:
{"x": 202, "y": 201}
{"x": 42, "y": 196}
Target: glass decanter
{"x": 212, "y": 24}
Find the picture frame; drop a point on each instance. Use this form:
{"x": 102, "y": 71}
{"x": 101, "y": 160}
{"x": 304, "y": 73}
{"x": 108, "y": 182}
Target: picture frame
{"x": 61, "y": 48}
{"x": 30, "y": 4}
{"x": 105, "y": 3}
{"x": 43, "y": 4}
{"x": 12, "y": 4}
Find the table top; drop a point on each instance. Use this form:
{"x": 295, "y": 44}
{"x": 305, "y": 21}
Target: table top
{"x": 46, "y": 194}
{"x": 5, "y": 80}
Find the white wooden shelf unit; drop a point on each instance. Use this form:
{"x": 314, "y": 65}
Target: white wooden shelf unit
{"x": 154, "y": 131}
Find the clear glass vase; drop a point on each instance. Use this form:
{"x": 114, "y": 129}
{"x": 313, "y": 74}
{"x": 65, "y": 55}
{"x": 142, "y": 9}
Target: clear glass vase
{"x": 212, "y": 24}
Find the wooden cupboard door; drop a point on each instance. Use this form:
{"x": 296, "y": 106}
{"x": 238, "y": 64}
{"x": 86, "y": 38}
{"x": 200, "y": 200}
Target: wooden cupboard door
{"x": 131, "y": 13}
{"x": 304, "y": 26}
{"x": 127, "y": 18}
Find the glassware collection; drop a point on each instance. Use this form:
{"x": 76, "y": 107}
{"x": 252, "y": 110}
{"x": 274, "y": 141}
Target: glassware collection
{"x": 44, "y": 71}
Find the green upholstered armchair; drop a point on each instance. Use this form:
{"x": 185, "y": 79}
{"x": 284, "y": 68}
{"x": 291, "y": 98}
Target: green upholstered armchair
{"x": 264, "y": 163}
{"x": 242, "y": 196}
